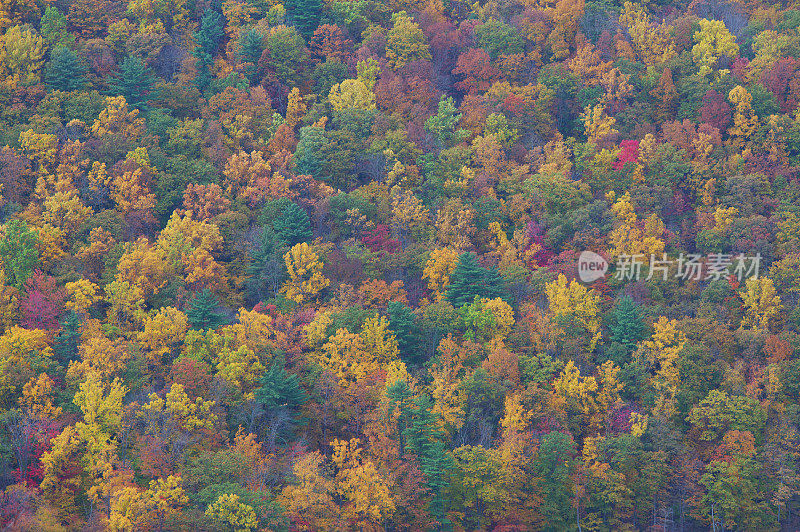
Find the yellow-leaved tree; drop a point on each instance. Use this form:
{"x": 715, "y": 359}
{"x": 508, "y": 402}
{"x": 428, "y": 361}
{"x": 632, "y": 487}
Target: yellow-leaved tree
{"x": 359, "y": 483}
{"x": 745, "y": 121}
{"x": 305, "y": 274}
{"x": 660, "y": 353}
{"x": 762, "y": 304}
{"x": 597, "y": 124}
{"x": 713, "y": 41}
{"x": 629, "y": 237}
{"x": 438, "y": 269}
{"x": 573, "y": 305}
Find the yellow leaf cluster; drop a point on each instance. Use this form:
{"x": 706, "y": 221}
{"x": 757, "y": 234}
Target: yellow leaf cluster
{"x": 305, "y": 274}
{"x": 575, "y": 300}
{"x": 438, "y": 269}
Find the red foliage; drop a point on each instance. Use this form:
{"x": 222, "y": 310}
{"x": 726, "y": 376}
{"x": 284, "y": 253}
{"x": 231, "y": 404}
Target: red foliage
{"x": 629, "y": 153}
{"x": 777, "y": 80}
{"x": 715, "y": 110}
{"x": 477, "y": 69}
{"x": 192, "y": 374}
{"x": 43, "y": 303}
{"x": 378, "y": 240}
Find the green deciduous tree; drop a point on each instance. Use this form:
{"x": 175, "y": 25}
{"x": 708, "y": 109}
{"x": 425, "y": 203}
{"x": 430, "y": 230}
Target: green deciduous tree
{"x": 554, "y": 465}
{"x": 19, "y": 253}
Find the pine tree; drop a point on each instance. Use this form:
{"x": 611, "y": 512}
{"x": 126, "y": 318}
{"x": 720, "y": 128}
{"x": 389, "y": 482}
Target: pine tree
{"x": 65, "y": 346}
{"x": 251, "y": 45}
{"x": 279, "y": 388}
{"x": 627, "y": 329}
{"x": 425, "y": 438}
{"x": 204, "y": 311}
{"x": 293, "y": 226}
{"x": 305, "y": 14}
{"x": 280, "y": 394}
{"x": 470, "y": 279}
{"x": 402, "y": 322}
{"x": 309, "y": 150}
{"x": 208, "y": 37}
{"x": 134, "y": 81}
{"x": 65, "y": 71}
{"x": 267, "y": 270}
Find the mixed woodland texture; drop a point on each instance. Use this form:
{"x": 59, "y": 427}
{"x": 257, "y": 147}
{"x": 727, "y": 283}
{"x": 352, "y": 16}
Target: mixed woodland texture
{"x": 312, "y": 266}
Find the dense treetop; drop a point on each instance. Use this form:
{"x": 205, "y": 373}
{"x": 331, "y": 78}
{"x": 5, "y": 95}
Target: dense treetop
{"x": 321, "y": 265}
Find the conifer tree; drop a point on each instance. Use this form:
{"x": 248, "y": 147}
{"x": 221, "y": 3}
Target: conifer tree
{"x": 425, "y": 438}
{"x": 204, "y": 311}
{"x": 305, "y": 14}
{"x": 65, "y": 346}
{"x": 401, "y": 321}
{"x": 208, "y": 37}
{"x": 293, "y": 226}
{"x": 627, "y": 329}
{"x": 65, "y": 71}
{"x": 134, "y": 81}
{"x": 470, "y": 279}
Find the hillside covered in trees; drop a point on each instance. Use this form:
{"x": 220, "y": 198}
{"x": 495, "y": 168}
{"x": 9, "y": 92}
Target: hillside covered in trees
{"x": 403, "y": 265}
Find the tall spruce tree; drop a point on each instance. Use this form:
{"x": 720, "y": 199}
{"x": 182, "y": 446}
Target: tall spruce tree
{"x": 627, "y": 327}
{"x": 425, "y": 438}
{"x": 204, "y": 312}
{"x": 212, "y": 26}
{"x": 65, "y": 71}
{"x": 402, "y": 322}
{"x": 305, "y": 14}
{"x": 65, "y": 346}
{"x": 470, "y": 279}
{"x": 135, "y": 81}
{"x": 294, "y": 225}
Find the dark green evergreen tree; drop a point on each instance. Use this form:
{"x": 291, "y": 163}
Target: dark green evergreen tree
{"x": 208, "y": 37}
{"x": 134, "y": 81}
{"x": 65, "y": 71}
{"x": 403, "y": 322}
{"x": 279, "y": 388}
{"x": 251, "y": 45}
{"x": 65, "y": 346}
{"x": 280, "y": 395}
{"x": 204, "y": 311}
{"x": 305, "y": 14}
{"x": 267, "y": 269}
{"x": 294, "y": 225}
{"x": 425, "y": 438}
{"x": 401, "y": 396}
{"x": 309, "y": 147}
{"x": 470, "y": 279}
{"x": 627, "y": 327}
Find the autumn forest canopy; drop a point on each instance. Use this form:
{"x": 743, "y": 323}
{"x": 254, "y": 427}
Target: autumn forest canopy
{"x": 402, "y": 265}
